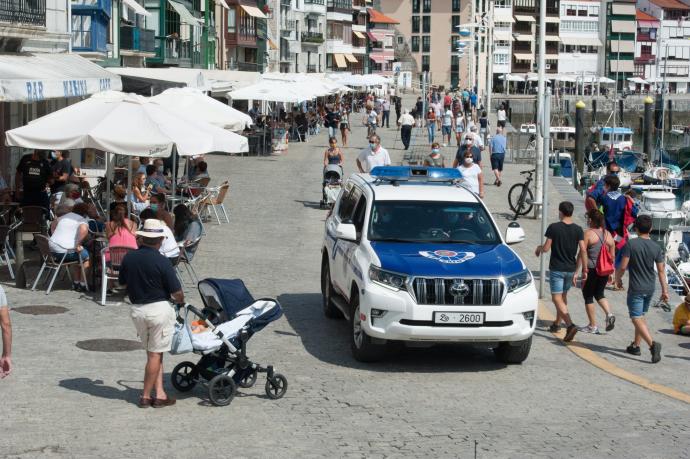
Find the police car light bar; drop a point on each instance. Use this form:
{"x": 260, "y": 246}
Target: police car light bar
{"x": 405, "y": 173}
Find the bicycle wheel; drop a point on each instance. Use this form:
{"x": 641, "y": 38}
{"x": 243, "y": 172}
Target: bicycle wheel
{"x": 520, "y": 199}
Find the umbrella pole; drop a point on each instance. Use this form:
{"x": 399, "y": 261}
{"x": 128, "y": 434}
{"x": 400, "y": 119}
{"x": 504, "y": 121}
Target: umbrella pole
{"x": 129, "y": 192}
{"x": 174, "y": 169}
{"x": 108, "y": 171}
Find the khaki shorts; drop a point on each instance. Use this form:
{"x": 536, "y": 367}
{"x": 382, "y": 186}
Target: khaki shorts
{"x": 154, "y": 323}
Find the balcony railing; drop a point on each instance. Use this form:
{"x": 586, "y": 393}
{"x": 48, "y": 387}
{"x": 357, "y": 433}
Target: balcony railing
{"x": 172, "y": 50}
{"x": 645, "y": 37}
{"x": 314, "y": 2}
{"x": 645, "y": 59}
{"x": 248, "y": 66}
{"x": 287, "y": 3}
{"x": 23, "y": 12}
{"x": 136, "y": 39}
{"x": 311, "y": 68}
{"x": 312, "y": 37}
{"x": 289, "y": 25}
{"x": 339, "y": 6}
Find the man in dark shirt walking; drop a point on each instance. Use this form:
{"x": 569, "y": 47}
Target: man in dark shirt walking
{"x": 565, "y": 238}
{"x": 639, "y": 256}
{"x": 151, "y": 283}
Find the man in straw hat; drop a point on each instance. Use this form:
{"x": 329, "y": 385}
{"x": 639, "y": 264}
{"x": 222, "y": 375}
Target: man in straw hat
{"x": 151, "y": 283}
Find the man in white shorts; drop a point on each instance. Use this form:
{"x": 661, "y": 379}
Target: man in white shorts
{"x": 6, "y": 327}
{"x": 151, "y": 283}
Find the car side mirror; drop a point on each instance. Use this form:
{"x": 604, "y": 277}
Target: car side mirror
{"x": 514, "y": 233}
{"x": 346, "y": 231}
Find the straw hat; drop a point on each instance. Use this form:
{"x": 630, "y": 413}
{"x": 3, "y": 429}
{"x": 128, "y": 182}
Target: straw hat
{"x": 153, "y": 229}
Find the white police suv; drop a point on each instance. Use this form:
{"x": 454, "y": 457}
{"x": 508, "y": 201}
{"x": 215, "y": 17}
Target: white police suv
{"x": 410, "y": 255}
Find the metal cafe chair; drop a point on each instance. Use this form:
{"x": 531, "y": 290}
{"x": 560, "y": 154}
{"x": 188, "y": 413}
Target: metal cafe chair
{"x": 5, "y": 248}
{"x": 117, "y": 254}
{"x": 187, "y": 252}
{"x": 216, "y": 199}
{"x": 53, "y": 263}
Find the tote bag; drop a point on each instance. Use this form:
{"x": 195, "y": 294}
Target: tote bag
{"x": 181, "y": 339}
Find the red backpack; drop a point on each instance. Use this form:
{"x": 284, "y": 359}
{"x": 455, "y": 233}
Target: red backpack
{"x": 604, "y": 265}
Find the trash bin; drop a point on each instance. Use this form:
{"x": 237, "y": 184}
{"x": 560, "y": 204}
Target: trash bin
{"x": 556, "y": 170}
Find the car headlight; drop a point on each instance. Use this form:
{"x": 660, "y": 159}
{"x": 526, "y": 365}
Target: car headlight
{"x": 387, "y": 278}
{"x": 519, "y": 280}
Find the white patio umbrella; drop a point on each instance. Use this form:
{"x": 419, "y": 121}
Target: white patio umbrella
{"x": 194, "y": 104}
{"x": 272, "y": 91}
{"x": 124, "y": 124}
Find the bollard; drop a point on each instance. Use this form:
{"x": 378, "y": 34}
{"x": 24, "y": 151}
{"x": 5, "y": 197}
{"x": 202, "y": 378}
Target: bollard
{"x": 579, "y": 142}
{"x": 647, "y": 128}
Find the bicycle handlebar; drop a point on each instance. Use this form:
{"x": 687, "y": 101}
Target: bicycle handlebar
{"x": 527, "y": 172}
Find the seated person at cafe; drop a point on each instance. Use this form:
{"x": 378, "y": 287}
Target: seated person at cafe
{"x": 96, "y": 223}
{"x": 143, "y": 163}
{"x": 187, "y": 227}
{"x": 201, "y": 171}
{"x": 157, "y": 205}
{"x": 155, "y": 180}
{"x": 120, "y": 197}
{"x": 69, "y": 233}
{"x": 681, "y": 318}
{"x": 169, "y": 248}
{"x": 140, "y": 192}
{"x": 69, "y": 191}
{"x": 33, "y": 174}
{"x": 120, "y": 231}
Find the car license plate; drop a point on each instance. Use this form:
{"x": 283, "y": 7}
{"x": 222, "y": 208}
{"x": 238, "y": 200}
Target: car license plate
{"x": 474, "y": 318}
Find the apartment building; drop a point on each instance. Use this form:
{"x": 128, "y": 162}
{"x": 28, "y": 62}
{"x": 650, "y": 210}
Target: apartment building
{"x": 381, "y": 33}
{"x": 619, "y": 40}
{"x": 672, "y": 43}
{"x": 302, "y": 36}
{"x": 242, "y": 23}
{"x": 359, "y": 37}
{"x": 645, "y": 47}
{"x": 526, "y": 36}
{"x": 435, "y": 52}
{"x": 502, "y": 19}
{"x": 579, "y": 38}
{"x": 340, "y": 39}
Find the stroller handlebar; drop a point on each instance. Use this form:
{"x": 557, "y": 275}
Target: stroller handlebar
{"x": 194, "y": 310}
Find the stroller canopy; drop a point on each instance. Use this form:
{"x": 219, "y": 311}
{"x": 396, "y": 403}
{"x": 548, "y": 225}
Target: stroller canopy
{"x": 229, "y": 295}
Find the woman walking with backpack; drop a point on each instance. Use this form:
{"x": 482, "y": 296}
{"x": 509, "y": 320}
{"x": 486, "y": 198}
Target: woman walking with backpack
{"x": 600, "y": 255}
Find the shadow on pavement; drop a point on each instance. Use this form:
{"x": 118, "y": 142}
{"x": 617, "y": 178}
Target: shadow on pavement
{"x": 310, "y": 204}
{"x": 96, "y": 388}
{"x": 329, "y": 341}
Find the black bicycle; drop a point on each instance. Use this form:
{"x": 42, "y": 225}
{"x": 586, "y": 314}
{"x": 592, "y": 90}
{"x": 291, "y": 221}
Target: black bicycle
{"x": 520, "y": 197}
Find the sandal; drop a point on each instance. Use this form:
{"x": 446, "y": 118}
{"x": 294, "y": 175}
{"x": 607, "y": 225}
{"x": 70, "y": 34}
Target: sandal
{"x": 145, "y": 402}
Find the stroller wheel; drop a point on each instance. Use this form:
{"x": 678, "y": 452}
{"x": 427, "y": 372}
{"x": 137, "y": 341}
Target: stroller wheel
{"x": 221, "y": 390}
{"x": 182, "y": 377}
{"x": 276, "y": 387}
{"x": 248, "y": 380}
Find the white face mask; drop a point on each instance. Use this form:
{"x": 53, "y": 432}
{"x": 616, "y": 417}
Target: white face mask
{"x": 469, "y": 161}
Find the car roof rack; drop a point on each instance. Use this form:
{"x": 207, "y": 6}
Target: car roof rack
{"x": 396, "y": 174}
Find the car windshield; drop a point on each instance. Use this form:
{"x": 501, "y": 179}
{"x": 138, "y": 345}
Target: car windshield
{"x": 430, "y": 221}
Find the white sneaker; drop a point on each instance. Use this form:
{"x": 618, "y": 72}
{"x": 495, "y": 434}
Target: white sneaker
{"x": 589, "y": 329}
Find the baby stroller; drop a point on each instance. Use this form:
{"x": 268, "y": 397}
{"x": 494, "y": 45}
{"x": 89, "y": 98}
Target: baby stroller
{"x": 332, "y": 182}
{"x": 229, "y": 319}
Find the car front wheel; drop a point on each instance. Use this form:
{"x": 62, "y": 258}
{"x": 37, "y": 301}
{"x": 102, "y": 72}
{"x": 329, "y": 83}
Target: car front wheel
{"x": 363, "y": 347}
{"x": 329, "y": 309}
{"x": 515, "y": 352}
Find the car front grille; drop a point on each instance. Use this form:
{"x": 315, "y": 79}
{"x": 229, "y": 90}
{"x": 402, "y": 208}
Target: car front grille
{"x": 486, "y": 292}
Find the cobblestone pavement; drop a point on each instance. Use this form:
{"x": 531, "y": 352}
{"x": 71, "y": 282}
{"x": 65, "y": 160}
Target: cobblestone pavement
{"x": 63, "y": 400}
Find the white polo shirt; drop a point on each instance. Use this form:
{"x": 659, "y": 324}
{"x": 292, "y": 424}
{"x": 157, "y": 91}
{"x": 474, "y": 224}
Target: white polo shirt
{"x": 369, "y": 160}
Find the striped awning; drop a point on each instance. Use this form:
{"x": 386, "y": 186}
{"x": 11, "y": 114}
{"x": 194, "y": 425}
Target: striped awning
{"x": 376, "y": 36}
{"x": 378, "y": 58}
{"x": 254, "y": 11}
{"x": 525, "y": 18}
{"x": 351, "y": 58}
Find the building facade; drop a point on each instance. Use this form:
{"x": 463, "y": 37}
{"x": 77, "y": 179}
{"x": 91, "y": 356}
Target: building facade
{"x": 344, "y": 50}
{"x": 672, "y": 64}
{"x": 579, "y": 38}
{"x": 302, "y": 36}
{"x": 381, "y": 44}
{"x": 434, "y": 52}
{"x": 619, "y": 40}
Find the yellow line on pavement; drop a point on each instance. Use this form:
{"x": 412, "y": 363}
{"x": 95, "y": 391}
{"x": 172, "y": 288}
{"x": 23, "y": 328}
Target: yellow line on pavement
{"x": 586, "y": 354}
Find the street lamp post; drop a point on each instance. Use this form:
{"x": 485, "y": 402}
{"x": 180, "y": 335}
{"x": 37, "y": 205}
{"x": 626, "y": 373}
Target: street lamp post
{"x": 541, "y": 68}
